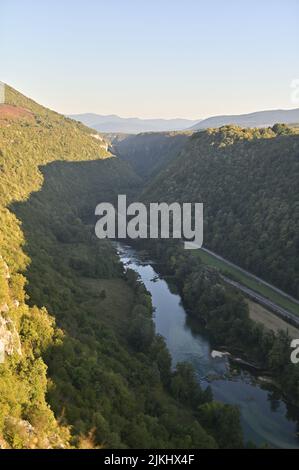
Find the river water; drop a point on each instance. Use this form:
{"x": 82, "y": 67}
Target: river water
{"x": 265, "y": 417}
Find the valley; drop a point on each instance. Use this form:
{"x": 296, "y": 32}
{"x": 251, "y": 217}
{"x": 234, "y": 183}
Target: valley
{"x": 92, "y": 373}
{"x": 149, "y": 232}
{"x": 95, "y": 369}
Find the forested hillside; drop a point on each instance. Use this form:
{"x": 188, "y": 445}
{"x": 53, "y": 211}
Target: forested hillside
{"x": 248, "y": 180}
{"x": 30, "y": 135}
{"x": 83, "y": 366}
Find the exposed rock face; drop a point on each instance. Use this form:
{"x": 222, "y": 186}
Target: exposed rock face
{"x": 9, "y": 112}
{"x": 9, "y": 337}
{"x": 7, "y": 275}
{"x": 4, "y": 308}
{"x": 5, "y": 269}
{"x": 104, "y": 144}
{"x": 30, "y": 436}
{"x": 3, "y": 444}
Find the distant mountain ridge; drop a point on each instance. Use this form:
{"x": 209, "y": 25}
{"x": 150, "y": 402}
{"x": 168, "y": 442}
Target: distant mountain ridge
{"x": 115, "y": 124}
{"x": 256, "y": 119}
{"x": 112, "y": 123}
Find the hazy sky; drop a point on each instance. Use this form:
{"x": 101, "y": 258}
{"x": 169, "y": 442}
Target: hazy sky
{"x": 152, "y": 58}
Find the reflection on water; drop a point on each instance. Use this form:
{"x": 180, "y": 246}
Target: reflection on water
{"x": 265, "y": 417}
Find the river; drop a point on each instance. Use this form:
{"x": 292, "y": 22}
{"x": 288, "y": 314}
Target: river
{"x": 265, "y": 417}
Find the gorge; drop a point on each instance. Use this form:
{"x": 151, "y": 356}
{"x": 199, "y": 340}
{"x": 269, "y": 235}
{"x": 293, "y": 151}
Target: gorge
{"x": 93, "y": 371}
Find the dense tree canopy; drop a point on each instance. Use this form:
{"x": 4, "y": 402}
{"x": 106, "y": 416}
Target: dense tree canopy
{"x": 86, "y": 369}
{"x": 248, "y": 180}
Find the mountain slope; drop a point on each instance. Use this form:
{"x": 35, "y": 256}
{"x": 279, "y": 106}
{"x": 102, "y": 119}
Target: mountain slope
{"x": 93, "y": 373}
{"x": 257, "y": 119}
{"x": 248, "y": 181}
{"x": 116, "y": 124}
{"x": 30, "y": 135}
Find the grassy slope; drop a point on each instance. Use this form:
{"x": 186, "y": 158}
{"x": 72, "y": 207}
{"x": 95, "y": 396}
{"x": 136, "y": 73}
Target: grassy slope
{"x": 247, "y": 281}
{"x": 272, "y": 322}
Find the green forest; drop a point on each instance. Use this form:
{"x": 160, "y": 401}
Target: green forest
{"x": 248, "y": 182}
{"x": 84, "y": 367}
{"x": 149, "y": 231}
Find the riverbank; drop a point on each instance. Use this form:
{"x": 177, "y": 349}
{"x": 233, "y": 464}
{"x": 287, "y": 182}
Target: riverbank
{"x": 265, "y": 415}
{"x": 223, "y": 313}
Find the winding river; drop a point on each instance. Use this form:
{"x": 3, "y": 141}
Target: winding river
{"x": 265, "y": 417}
